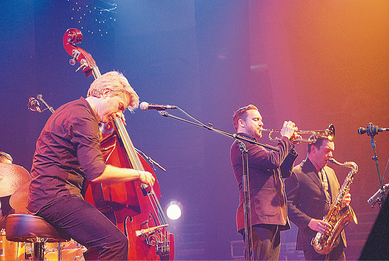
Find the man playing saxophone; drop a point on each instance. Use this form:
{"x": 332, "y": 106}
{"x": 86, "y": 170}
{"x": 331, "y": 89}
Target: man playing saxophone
{"x": 310, "y": 190}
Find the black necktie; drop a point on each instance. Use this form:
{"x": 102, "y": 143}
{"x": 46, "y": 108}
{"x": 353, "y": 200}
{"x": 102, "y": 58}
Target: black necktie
{"x": 324, "y": 181}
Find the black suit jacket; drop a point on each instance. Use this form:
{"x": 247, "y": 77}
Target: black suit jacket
{"x": 306, "y": 200}
{"x": 266, "y": 169}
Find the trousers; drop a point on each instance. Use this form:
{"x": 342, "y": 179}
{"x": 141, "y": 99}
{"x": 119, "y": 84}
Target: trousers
{"x": 266, "y": 242}
{"x": 86, "y": 225}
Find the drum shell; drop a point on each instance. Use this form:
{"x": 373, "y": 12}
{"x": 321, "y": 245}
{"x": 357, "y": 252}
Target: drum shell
{"x": 8, "y": 249}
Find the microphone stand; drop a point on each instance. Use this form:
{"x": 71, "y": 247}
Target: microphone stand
{"x": 34, "y": 105}
{"x": 371, "y": 131}
{"x": 245, "y": 164}
{"x": 39, "y": 97}
{"x": 248, "y": 230}
{"x": 209, "y": 127}
{"x": 152, "y": 162}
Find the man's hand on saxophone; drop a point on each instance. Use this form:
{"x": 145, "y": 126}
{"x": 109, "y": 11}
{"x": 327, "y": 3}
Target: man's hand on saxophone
{"x": 322, "y": 226}
{"x": 319, "y": 226}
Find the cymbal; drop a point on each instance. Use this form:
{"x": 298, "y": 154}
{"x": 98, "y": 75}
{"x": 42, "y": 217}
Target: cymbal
{"x": 11, "y": 178}
{"x": 18, "y": 200}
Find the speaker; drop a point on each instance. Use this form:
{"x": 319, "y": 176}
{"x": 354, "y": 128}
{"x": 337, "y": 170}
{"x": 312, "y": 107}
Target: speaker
{"x": 377, "y": 244}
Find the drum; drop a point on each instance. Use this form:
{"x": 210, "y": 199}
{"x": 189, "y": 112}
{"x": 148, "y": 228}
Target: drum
{"x": 71, "y": 250}
{"x": 8, "y": 249}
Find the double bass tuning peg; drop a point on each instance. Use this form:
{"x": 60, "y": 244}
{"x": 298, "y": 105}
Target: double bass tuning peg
{"x": 75, "y": 55}
{"x": 83, "y": 65}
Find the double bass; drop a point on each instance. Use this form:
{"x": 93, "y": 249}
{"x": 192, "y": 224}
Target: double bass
{"x": 132, "y": 206}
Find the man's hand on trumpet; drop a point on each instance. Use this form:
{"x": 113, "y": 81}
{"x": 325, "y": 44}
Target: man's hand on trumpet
{"x": 288, "y": 129}
{"x": 296, "y": 138}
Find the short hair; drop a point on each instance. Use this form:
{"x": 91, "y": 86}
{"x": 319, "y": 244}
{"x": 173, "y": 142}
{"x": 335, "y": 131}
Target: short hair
{"x": 118, "y": 84}
{"x": 241, "y": 114}
{"x": 317, "y": 143}
{"x": 5, "y": 157}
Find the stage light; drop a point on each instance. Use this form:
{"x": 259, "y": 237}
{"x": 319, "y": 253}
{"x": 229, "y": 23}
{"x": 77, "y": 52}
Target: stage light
{"x": 173, "y": 210}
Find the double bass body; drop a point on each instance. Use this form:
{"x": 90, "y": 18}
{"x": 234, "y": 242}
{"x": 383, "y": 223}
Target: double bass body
{"x": 134, "y": 209}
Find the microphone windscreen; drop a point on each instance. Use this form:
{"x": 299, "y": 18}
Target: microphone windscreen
{"x": 144, "y": 106}
{"x": 361, "y": 130}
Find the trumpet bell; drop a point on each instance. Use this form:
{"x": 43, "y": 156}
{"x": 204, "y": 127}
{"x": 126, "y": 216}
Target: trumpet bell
{"x": 331, "y": 132}
{"x": 327, "y": 133}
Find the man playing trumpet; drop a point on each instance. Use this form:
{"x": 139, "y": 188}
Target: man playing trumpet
{"x": 266, "y": 168}
{"x": 310, "y": 190}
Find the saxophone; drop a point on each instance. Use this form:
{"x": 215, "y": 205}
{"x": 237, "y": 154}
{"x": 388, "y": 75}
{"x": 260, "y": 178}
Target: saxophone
{"x": 337, "y": 216}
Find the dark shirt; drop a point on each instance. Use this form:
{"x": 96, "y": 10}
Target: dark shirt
{"x": 67, "y": 152}
{"x": 266, "y": 170}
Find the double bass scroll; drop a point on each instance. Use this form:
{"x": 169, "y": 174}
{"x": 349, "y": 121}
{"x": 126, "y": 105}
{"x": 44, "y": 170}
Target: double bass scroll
{"x": 133, "y": 207}
{"x": 71, "y": 38}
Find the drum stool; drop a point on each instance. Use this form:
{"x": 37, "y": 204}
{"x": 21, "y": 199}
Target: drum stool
{"x": 31, "y": 228}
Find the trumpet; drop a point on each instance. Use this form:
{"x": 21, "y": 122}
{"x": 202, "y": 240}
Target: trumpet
{"x": 328, "y": 133}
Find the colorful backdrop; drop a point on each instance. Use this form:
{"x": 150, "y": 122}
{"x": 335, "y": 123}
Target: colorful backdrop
{"x": 312, "y": 62}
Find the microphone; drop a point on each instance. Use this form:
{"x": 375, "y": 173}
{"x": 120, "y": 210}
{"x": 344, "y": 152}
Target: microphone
{"x": 371, "y": 130}
{"x": 144, "y": 106}
{"x": 34, "y": 105}
{"x": 361, "y": 130}
{"x": 376, "y": 197}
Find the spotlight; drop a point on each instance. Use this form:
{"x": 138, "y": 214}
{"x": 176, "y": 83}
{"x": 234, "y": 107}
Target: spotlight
{"x": 173, "y": 210}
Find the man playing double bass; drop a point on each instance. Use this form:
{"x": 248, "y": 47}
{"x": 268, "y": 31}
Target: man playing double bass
{"x": 68, "y": 153}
